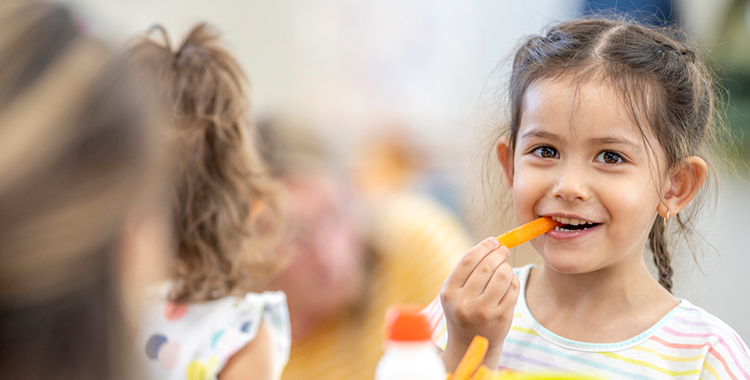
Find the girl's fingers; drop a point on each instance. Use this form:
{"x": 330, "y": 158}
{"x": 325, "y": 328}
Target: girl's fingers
{"x": 508, "y": 301}
{"x": 485, "y": 270}
{"x": 460, "y": 274}
{"x": 498, "y": 285}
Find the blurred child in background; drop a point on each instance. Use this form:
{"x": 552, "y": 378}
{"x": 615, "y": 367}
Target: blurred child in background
{"x": 348, "y": 259}
{"x": 392, "y": 161}
{"x": 208, "y": 321}
{"x": 80, "y": 221}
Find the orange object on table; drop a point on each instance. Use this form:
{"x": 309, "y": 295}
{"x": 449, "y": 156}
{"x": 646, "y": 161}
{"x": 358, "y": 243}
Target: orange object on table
{"x": 528, "y": 231}
{"x": 472, "y": 359}
{"x": 483, "y": 373}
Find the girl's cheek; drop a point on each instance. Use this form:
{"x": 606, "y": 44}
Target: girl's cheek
{"x": 532, "y": 182}
{"x": 525, "y": 195}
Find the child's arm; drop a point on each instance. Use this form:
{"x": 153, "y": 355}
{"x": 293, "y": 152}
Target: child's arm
{"x": 478, "y": 298}
{"x": 254, "y": 361}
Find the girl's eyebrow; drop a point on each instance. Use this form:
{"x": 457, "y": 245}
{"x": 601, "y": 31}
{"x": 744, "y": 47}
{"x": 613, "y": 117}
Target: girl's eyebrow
{"x": 613, "y": 140}
{"x": 591, "y": 141}
{"x": 541, "y": 134}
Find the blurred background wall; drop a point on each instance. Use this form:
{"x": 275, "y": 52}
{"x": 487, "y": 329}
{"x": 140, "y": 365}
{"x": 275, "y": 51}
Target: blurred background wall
{"x": 430, "y": 71}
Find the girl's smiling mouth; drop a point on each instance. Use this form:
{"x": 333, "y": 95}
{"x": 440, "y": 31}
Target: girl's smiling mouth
{"x": 571, "y": 228}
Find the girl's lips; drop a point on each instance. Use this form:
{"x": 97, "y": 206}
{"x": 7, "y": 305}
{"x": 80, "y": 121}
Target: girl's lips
{"x": 574, "y": 234}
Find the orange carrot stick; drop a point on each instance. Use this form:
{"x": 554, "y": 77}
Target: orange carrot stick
{"x": 483, "y": 373}
{"x": 528, "y": 231}
{"x": 472, "y": 358}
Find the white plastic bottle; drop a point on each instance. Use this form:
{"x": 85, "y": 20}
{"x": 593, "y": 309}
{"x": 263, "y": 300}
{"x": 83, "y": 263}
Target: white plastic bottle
{"x": 409, "y": 354}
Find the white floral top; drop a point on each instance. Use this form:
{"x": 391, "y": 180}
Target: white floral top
{"x": 194, "y": 341}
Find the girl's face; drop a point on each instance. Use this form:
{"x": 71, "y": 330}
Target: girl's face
{"x": 581, "y": 159}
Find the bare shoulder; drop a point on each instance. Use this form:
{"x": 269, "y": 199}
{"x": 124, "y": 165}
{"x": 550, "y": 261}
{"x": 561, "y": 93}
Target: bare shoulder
{"x": 254, "y": 361}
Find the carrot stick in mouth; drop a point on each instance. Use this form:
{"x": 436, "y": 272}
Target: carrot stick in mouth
{"x": 528, "y": 231}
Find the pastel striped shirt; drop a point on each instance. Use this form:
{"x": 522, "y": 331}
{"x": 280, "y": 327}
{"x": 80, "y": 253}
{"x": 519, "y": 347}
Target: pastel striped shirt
{"x": 687, "y": 343}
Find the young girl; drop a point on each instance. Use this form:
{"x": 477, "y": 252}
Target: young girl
{"x": 206, "y": 322}
{"x": 610, "y": 124}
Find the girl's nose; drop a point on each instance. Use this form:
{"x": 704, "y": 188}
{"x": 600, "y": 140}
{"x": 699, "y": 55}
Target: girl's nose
{"x": 571, "y": 185}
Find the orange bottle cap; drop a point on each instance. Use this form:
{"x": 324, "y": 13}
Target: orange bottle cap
{"x": 406, "y": 323}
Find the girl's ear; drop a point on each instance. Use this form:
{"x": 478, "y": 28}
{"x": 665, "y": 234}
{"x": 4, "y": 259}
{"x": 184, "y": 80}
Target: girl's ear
{"x": 685, "y": 181}
{"x": 505, "y": 157}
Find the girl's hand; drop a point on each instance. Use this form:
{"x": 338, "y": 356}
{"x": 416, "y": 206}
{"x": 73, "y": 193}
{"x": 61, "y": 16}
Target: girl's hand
{"x": 478, "y": 298}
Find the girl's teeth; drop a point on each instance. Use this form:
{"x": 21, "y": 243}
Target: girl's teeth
{"x": 571, "y": 221}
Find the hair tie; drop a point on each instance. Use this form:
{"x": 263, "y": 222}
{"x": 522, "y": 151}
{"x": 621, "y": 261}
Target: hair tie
{"x": 164, "y": 35}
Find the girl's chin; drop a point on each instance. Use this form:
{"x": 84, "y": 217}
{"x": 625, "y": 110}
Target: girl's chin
{"x": 567, "y": 262}
{"x": 567, "y": 268}
{"x": 569, "y": 255}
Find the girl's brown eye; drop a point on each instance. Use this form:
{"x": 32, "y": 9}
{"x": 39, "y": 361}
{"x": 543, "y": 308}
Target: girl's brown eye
{"x": 546, "y": 152}
{"x": 609, "y": 158}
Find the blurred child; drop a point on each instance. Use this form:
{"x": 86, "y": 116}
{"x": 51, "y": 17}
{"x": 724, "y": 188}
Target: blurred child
{"x": 610, "y": 129}
{"x": 207, "y": 322}
{"x": 350, "y": 259}
{"x": 80, "y": 224}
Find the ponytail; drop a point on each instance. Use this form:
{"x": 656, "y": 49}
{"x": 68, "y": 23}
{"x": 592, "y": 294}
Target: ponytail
{"x": 657, "y": 241}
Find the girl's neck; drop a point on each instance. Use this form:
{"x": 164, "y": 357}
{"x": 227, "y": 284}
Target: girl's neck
{"x": 615, "y": 284}
{"x": 604, "y": 306}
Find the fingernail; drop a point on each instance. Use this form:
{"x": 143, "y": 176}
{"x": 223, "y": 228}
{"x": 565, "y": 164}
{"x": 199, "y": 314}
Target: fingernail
{"x": 494, "y": 241}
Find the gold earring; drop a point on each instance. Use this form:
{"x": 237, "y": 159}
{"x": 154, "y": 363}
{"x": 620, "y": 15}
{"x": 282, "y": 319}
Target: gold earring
{"x": 665, "y": 219}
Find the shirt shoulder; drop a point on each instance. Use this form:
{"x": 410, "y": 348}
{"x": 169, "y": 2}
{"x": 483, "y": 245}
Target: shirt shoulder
{"x": 693, "y": 321}
{"x": 179, "y": 339}
{"x": 727, "y": 355}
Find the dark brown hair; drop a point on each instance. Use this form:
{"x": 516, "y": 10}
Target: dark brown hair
{"x": 658, "y": 74}
{"x": 221, "y": 182}
{"x": 76, "y": 150}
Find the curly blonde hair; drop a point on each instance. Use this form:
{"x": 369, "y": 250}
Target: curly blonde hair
{"x": 221, "y": 183}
